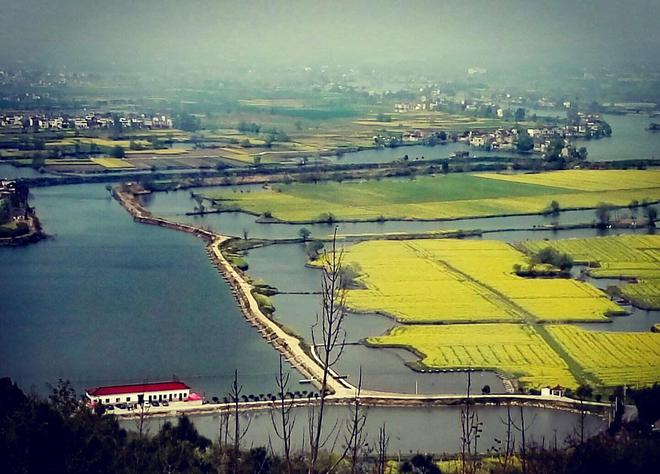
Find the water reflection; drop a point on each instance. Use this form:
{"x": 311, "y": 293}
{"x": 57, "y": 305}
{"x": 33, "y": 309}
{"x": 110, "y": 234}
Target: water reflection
{"x": 408, "y": 428}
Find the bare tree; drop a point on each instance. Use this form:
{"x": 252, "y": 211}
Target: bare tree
{"x": 354, "y": 436}
{"x": 471, "y": 429}
{"x": 143, "y": 412}
{"x": 332, "y": 336}
{"x": 239, "y": 433}
{"x": 381, "y": 450}
{"x": 283, "y": 423}
{"x": 522, "y": 429}
{"x": 200, "y": 202}
{"x": 505, "y": 448}
{"x": 140, "y": 421}
{"x": 523, "y": 441}
{"x": 223, "y": 434}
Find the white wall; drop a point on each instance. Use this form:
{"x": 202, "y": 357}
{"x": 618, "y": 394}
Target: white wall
{"x": 169, "y": 395}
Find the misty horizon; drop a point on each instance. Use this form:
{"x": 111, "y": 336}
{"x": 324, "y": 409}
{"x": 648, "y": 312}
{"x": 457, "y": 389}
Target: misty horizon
{"x": 446, "y": 36}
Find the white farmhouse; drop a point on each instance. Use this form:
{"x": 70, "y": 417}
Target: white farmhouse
{"x": 139, "y": 393}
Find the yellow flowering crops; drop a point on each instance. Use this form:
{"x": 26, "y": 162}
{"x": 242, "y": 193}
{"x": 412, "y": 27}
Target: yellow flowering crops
{"x": 586, "y": 180}
{"x": 513, "y": 349}
{"x": 450, "y": 280}
{"x": 626, "y": 256}
{"x": 614, "y": 358}
{"x": 112, "y": 163}
{"x": 472, "y": 281}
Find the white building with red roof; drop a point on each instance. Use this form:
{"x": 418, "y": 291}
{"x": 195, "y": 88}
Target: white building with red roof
{"x": 173, "y": 391}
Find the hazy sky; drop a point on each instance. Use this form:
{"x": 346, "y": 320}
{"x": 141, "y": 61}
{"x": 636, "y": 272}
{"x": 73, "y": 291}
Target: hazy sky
{"x": 183, "y": 33}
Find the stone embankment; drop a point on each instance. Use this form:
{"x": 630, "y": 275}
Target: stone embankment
{"x": 289, "y": 346}
{"x": 388, "y": 400}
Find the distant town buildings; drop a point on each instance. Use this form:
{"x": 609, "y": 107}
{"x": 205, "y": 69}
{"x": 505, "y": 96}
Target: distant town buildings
{"x": 37, "y": 122}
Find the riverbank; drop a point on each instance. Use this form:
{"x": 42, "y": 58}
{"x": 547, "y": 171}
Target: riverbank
{"x": 387, "y": 400}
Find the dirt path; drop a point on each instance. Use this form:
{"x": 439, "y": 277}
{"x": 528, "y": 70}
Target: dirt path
{"x": 289, "y": 346}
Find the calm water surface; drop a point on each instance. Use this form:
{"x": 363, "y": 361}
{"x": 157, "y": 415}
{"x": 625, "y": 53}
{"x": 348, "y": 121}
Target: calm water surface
{"x": 629, "y": 140}
{"x": 411, "y": 430}
{"x": 111, "y": 301}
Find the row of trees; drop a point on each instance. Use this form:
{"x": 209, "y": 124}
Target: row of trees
{"x": 604, "y": 213}
{"x": 59, "y": 435}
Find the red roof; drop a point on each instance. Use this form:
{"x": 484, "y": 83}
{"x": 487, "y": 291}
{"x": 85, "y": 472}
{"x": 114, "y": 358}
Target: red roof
{"x": 137, "y": 388}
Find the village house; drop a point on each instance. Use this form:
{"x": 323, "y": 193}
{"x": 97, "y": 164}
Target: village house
{"x": 172, "y": 391}
{"x": 88, "y": 121}
{"x": 557, "y": 391}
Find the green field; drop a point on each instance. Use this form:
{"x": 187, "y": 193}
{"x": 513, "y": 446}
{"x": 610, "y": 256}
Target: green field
{"x": 626, "y": 256}
{"x": 427, "y": 197}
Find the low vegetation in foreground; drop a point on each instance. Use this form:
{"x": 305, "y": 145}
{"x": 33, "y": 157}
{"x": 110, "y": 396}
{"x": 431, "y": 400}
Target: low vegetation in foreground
{"x": 60, "y": 435}
{"x": 627, "y": 256}
{"x": 449, "y": 280}
{"x": 443, "y": 196}
{"x": 515, "y": 350}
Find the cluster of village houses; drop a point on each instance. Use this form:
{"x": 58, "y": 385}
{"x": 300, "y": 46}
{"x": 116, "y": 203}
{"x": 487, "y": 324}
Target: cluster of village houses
{"x": 13, "y": 202}
{"x": 88, "y": 121}
{"x": 435, "y": 99}
{"x": 506, "y": 139}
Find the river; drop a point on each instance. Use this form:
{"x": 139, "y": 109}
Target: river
{"x": 630, "y": 140}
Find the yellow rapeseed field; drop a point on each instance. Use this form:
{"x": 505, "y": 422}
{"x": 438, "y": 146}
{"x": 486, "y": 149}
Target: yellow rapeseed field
{"x": 401, "y": 283}
{"x": 513, "y": 349}
{"x": 586, "y": 180}
{"x": 112, "y": 163}
{"x": 625, "y": 256}
{"x": 452, "y": 280}
{"x": 614, "y": 358}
